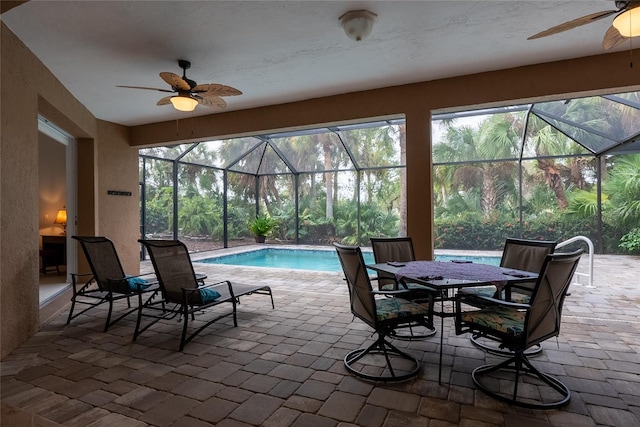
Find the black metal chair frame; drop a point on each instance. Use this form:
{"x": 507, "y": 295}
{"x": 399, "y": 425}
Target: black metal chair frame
{"x": 107, "y": 282}
{"x": 180, "y": 291}
{"x": 363, "y": 306}
{"x": 401, "y": 249}
{"x": 541, "y": 322}
{"x": 520, "y": 264}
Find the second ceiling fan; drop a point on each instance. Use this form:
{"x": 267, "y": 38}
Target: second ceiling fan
{"x": 625, "y": 25}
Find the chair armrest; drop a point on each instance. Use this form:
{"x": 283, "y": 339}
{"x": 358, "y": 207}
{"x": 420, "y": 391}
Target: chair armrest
{"x": 141, "y": 275}
{"x": 120, "y": 285}
{"x": 392, "y": 293}
{"x": 491, "y": 301}
{"x": 75, "y": 283}
{"x": 81, "y": 274}
{"x": 210, "y": 285}
{"x": 520, "y": 286}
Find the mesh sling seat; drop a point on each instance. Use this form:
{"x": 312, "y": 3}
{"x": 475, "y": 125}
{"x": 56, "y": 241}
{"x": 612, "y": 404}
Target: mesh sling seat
{"x": 519, "y": 254}
{"x": 518, "y": 327}
{"x": 182, "y": 291}
{"x": 107, "y": 281}
{"x": 381, "y": 361}
{"x": 400, "y": 250}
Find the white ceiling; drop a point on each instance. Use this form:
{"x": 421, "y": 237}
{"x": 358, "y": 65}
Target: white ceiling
{"x": 283, "y": 51}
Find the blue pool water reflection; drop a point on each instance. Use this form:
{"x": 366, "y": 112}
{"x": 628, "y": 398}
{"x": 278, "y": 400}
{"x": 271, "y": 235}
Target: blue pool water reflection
{"x": 310, "y": 259}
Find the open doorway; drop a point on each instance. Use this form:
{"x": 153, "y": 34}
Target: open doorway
{"x": 56, "y": 209}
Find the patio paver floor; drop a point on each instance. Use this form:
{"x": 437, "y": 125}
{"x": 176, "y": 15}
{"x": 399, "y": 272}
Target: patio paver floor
{"x": 283, "y": 367}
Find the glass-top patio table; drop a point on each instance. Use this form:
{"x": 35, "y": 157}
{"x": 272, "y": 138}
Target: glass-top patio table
{"x": 442, "y": 276}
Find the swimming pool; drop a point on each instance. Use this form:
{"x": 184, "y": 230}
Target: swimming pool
{"x": 311, "y": 259}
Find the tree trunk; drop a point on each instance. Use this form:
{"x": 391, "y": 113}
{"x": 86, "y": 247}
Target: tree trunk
{"x": 312, "y": 191}
{"x": 554, "y": 181}
{"x": 328, "y": 176}
{"x": 489, "y": 194}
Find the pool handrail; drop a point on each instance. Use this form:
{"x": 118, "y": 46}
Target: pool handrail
{"x": 590, "y": 245}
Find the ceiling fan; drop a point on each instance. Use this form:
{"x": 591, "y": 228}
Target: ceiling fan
{"x": 189, "y": 93}
{"x": 625, "y": 25}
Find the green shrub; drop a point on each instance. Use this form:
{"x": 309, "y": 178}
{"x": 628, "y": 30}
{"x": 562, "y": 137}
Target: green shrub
{"x": 262, "y": 225}
{"x": 631, "y": 241}
{"x": 475, "y": 232}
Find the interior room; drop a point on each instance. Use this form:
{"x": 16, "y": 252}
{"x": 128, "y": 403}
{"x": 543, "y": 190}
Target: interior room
{"x": 107, "y": 73}
{"x": 52, "y": 218}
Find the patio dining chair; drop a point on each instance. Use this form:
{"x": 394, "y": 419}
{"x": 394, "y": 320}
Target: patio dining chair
{"x": 518, "y": 327}
{"x": 107, "y": 282}
{"x": 400, "y": 250}
{"x": 183, "y": 294}
{"x": 380, "y": 361}
{"x": 519, "y": 254}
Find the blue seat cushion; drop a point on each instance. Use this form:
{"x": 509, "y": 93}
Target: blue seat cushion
{"x": 135, "y": 281}
{"x": 209, "y": 295}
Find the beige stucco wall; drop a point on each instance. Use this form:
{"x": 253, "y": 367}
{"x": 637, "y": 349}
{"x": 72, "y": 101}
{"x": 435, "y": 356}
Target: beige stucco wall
{"x": 118, "y": 217}
{"x": 18, "y": 195}
{"x": 26, "y": 89}
{"x": 107, "y": 153}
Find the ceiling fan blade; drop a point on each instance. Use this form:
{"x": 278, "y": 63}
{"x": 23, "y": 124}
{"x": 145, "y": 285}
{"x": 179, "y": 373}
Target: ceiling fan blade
{"x": 212, "y": 101}
{"x": 612, "y": 38}
{"x": 165, "y": 101}
{"x": 147, "y": 88}
{"x": 573, "y": 24}
{"x": 175, "y": 80}
{"x": 216, "y": 89}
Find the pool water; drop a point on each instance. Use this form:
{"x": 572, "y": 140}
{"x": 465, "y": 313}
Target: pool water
{"x": 309, "y": 259}
{"x": 491, "y": 260}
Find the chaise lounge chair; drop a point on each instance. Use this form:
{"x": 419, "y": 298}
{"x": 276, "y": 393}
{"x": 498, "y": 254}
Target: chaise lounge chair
{"x": 183, "y": 295}
{"x": 107, "y": 281}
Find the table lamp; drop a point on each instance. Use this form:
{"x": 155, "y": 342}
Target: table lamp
{"x": 61, "y": 218}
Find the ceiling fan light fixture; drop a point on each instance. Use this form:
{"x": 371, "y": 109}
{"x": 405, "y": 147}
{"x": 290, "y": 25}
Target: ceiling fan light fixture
{"x": 184, "y": 103}
{"x": 357, "y": 24}
{"x": 628, "y": 22}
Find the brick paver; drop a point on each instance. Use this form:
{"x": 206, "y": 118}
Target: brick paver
{"x": 342, "y": 406}
{"x": 284, "y": 367}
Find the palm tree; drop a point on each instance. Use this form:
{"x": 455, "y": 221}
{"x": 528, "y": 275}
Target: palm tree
{"x": 548, "y": 141}
{"x": 483, "y": 151}
{"x": 623, "y": 187}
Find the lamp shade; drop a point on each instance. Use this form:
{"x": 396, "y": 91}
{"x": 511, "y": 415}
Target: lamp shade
{"x": 184, "y": 103}
{"x": 61, "y": 217}
{"x": 628, "y": 22}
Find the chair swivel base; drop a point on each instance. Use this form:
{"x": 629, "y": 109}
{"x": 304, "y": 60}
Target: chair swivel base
{"x": 392, "y": 364}
{"x": 492, "y": 347}
{"x": 526, "y": 370}
{"x": 413, "y": 331}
